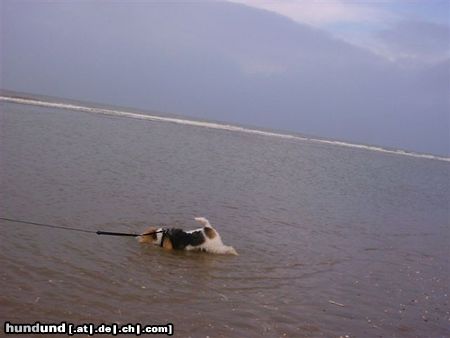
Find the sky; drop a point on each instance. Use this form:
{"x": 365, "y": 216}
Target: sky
{"x": 371, "y": 72}
{"x": 417, "y": 30}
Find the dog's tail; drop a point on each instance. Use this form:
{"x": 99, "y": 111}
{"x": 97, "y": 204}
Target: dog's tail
{"x": 203, "y": 221}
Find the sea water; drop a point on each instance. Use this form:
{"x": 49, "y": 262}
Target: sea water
{"x": 333, "y": 239}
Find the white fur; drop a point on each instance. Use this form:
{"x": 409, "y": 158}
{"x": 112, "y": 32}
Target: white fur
{"x": 214, "y": 245}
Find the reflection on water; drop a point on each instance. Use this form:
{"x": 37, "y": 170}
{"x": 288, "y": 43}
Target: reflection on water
{"x": 316, "y": 227}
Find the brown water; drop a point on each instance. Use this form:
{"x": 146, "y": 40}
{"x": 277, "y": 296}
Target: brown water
{"x": 314, "y": 224}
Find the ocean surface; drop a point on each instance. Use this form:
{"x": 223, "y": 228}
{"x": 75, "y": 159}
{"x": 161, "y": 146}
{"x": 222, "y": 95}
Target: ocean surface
{"x": 333, "y": 239}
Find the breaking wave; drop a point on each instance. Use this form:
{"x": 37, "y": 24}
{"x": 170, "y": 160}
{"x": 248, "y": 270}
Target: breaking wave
{"x": 212, "y": 125}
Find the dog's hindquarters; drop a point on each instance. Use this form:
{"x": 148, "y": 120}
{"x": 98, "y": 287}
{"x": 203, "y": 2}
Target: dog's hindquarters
{"x": 207, "y": 228}
{"x": 214, "y": 243}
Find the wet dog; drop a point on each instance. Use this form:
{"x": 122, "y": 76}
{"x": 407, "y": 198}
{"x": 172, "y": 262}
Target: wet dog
{"x": 202, "y": 239}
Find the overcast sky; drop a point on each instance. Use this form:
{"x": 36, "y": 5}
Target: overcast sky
{"x": 373, "y": 72}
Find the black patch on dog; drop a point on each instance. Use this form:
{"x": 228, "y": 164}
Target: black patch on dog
{"x": 181, "y": 239}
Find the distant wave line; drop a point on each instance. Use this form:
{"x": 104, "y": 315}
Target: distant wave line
{"x": 212, "y": 125}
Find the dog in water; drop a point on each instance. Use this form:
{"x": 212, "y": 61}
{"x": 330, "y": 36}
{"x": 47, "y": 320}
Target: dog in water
{"x": 202, "y": 239}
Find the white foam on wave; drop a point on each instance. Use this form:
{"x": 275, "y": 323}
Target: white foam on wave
{"x": 111, "y": 112}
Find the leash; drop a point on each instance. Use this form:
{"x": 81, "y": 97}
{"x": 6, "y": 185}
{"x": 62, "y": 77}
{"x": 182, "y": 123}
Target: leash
{"x": 126, "y": 234}
{"x": 110, "y": 233}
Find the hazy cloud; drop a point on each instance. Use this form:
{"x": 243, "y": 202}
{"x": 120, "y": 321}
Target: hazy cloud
{"x": 394, "y": 29}
{"x": 322, "y": 13}
{"x": 417, "y": 40}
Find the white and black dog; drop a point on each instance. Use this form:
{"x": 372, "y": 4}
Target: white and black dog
{"x": 202, "y": 239}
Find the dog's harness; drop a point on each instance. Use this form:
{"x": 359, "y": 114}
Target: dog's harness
{"x": 163, "y": 234}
